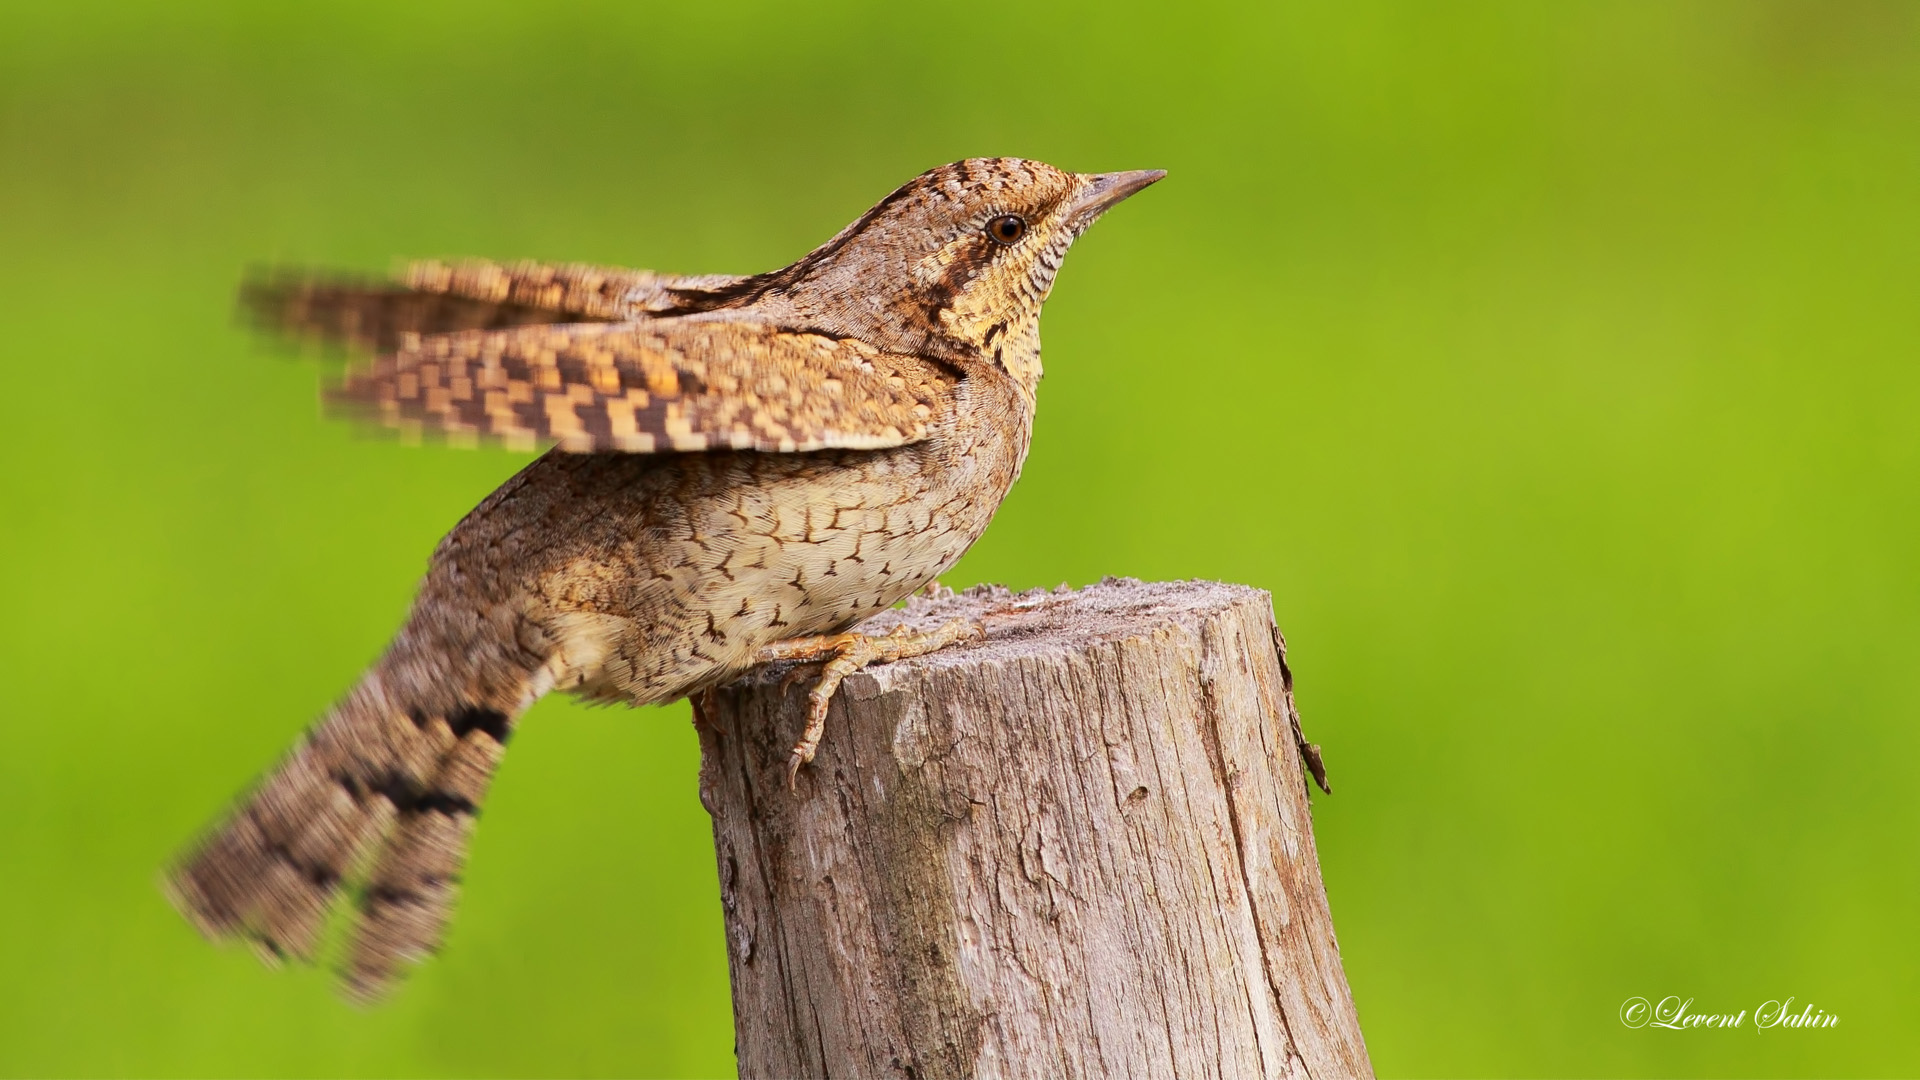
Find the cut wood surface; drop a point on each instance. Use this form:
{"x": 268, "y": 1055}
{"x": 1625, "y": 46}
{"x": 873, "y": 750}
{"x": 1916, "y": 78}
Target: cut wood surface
{"x": 1081, "y": 847}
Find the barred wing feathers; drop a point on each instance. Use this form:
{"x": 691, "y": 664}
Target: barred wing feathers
{"x": 651, "y": 387}
{"x": 433, "y": 297}
{"x": 578, "y": 289}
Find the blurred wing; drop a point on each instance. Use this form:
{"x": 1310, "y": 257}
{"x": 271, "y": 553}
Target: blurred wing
{"x": 651, "y": 387}
{"x": 441, "y": 298}
{"x": 586, "y": 292}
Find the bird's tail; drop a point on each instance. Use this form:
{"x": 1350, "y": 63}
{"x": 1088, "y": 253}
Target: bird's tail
{"x": 380, "y": 798}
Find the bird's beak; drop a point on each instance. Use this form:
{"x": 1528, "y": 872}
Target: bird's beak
{"x": 1105, "y": 189}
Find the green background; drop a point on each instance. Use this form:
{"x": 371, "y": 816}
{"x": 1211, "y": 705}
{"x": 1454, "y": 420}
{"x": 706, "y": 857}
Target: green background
{"x": 1553, "y": 364}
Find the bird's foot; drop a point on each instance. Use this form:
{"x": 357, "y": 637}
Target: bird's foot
{"x": 835, "y": 656}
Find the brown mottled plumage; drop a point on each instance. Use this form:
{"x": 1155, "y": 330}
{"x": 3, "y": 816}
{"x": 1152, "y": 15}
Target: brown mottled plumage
{"x": 645, "y": 387}
{"x": 743, "y": 465}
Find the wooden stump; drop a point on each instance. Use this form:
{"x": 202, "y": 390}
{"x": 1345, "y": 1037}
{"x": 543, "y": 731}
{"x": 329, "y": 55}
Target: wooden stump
{"x": 1079, "y": 848}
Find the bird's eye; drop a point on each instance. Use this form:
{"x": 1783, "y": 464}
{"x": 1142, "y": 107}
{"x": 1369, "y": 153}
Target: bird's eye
{"x": 1007, "y": 228}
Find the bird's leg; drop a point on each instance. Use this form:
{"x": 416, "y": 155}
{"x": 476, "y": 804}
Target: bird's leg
{"x": 837, "y": 656}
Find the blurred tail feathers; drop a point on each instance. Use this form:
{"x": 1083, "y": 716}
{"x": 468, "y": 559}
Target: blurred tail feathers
{"x": 381, "y": 795}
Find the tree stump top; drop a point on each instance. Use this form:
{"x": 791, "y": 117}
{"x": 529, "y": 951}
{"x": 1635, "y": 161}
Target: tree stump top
{"x": 1041, "y": 622}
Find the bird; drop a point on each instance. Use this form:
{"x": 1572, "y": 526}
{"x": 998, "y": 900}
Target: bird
{"x": 741, "y": 469}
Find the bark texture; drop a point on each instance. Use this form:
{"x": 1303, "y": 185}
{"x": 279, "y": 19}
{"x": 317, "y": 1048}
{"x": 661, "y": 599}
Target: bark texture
{"x": 1081, "y": 847}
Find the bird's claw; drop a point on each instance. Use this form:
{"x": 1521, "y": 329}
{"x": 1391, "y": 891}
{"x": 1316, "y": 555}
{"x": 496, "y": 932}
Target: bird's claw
{"x": 846, "y": 654}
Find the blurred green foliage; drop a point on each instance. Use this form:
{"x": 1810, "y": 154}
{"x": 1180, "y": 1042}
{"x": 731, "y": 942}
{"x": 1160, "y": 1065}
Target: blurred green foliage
{"x": 1553, "y": 364}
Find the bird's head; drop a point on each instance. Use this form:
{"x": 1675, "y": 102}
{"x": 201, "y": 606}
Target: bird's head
{"x": 956, "y": 262}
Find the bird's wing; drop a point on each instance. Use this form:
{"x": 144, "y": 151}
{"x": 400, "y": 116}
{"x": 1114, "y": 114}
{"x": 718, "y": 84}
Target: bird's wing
{"x": 440, "y": 297}
{"x": 589, "y": 292}
{"x": 650, "y": 387}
